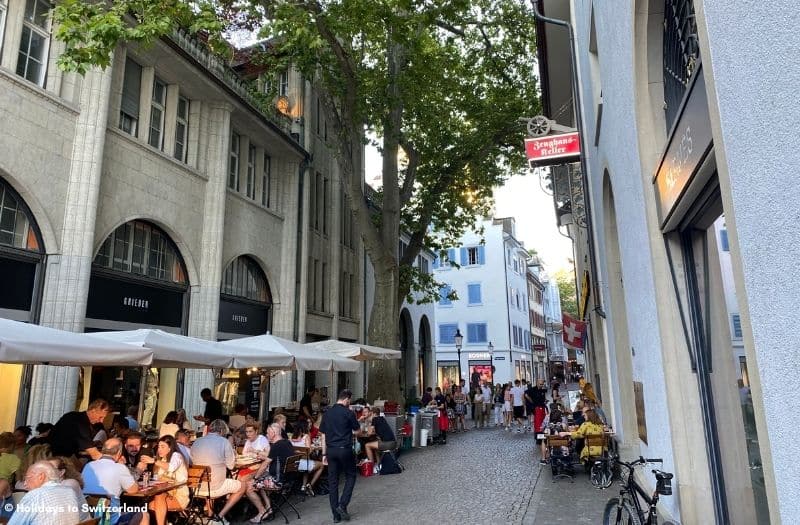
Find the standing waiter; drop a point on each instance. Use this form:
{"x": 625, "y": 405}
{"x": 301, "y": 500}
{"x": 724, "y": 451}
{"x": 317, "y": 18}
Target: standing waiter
{"x": 339, "y": 424}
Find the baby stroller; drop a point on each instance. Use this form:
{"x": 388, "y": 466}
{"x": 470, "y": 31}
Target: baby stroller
{"x": 560, "y": 458}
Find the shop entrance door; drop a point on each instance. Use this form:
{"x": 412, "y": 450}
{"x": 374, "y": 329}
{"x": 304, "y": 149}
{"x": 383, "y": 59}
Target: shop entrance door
{"x": 715, "y": 338}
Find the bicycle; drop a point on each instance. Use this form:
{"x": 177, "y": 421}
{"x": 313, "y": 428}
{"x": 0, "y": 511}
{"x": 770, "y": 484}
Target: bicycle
{"x": 626, "y": 509}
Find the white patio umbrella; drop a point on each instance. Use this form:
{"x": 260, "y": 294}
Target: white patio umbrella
{"x": 305, "y": 358}
{"x": 24, "y": 343}
{"x": 357, "y": 351}
{"x": 179, "y": 351}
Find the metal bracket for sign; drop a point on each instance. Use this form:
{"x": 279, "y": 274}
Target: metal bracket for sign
{"x": 540, "y": 126}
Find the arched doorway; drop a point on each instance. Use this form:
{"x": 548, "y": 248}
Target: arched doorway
{"x": 245, "y": 308}
{"x": 21, "y": 256}
{"x": 408, "y": 360}
{"x": 424, "y": 376}
{"x": 138, "y": 280}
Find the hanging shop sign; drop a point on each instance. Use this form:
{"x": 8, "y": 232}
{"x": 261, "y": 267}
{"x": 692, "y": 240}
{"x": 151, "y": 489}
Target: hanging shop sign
{"x": 552, "y": 150}
{"x": 690, "y": 141}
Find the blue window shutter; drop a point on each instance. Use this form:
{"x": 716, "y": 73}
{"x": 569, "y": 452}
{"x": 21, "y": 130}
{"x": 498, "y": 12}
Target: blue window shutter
{"x": 737, "y": 326}
{"x": 435, "y": 262}
{"x": 723, "y": 237}
{"x": 464, "y": 257}
{"x": 471, "y": 333}
{"x": 481, "y": 255}
{"x": 474, "y": 292}
{"x": 447, "y": 333}
{"x": 451, "y": 255}
{"x": 482, "y": 333}
{"x": 444, "y": 291}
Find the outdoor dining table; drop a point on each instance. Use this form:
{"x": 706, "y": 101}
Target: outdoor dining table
{"x": 154, "y": 488}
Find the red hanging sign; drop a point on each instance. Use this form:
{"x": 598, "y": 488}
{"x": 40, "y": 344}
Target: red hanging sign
{"x": 553, "y": 149}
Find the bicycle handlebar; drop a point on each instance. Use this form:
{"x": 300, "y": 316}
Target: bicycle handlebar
{"x": 641, "y": 461}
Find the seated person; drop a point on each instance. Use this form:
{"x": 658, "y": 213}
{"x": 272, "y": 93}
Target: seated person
{"x": 215, "y": 451}
{"x": 279, "y": 450}
{"x": 280, "y": 419}
{"x": 45, "y": 494}
{"x": 577, "y": 416}
{"x": 68, "y": 476}
{"x": 307, "y": 465}
{"x": 427, "y": 397}
{"x": 42, "y": 431}
{"x": 591, "y": 427}
{"x": 9, "y": 463}
{"x": 119, "y": 427}
{"x": 107, "y": 475}
{"x": 169, "y": 464}
{"x": 169, "y": 427}
{"x": 255, "y": 445}
{"x": 136, "y": 457}
{"x": 184, "y": 444}
{"x": 35, "y": 453}
{"x": 381, "y": 429}
{"x": 239, "y": 417}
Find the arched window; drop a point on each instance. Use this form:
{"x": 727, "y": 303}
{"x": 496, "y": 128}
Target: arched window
{"x": 141, "y": 248}
{"x": 244, "y": 278}
{"x": 681, "y": 54}
{"x": 17, "y": 229}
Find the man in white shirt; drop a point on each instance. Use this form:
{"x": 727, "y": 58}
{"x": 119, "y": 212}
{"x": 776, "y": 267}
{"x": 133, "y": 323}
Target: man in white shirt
{"x": 215, "y": 451}
{"x": 488, "y": 402}
{"x": 107, "y": 476}
{"x": 518, "y": 402}
{"x": 47, "y": 502}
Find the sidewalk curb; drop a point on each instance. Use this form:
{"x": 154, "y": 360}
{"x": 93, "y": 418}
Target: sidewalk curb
{"x": 529, "y": 516}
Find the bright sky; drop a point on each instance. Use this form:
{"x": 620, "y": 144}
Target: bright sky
{"x": 522, "y": 198}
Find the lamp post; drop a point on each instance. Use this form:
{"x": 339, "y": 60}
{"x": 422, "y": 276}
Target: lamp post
{"x": 491, "y": 361}
{"x": 459, "y": 339}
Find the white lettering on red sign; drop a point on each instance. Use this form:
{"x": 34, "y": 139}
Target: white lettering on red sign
{"x": 555, "y": 146}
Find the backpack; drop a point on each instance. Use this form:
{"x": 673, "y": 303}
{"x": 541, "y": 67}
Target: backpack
{"x": 389, "y": 465}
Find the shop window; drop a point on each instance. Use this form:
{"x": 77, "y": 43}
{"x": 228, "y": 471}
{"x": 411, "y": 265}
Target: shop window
{"x": 16, "y": 230}
{"x": 35, "y": 42}
{"x": 244, "y": 278}
{"x": 140, "y": 248}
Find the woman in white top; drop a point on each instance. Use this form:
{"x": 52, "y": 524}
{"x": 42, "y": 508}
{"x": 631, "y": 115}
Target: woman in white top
{"x": 310, "y": 467}
{"x": 170, "y": 426}
{"x": 168, "y": 465}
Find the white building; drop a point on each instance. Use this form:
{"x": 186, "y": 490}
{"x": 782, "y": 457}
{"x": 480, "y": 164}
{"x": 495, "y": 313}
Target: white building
{"x": 689, "y": 117}
{"x": 537, "y": 285}
{"x": 491, "y": 312}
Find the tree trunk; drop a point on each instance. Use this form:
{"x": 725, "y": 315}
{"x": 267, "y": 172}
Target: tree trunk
{"x": 384, "y": 376}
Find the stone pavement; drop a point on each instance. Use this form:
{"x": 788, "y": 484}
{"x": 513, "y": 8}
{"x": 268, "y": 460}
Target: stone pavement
{"x": 485, "y": 475}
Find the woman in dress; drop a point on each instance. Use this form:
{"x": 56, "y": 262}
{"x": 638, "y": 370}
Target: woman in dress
{"x": 169, "y": 465}
{"x": 460, "y": 401}
{"x": 507, "y": 406}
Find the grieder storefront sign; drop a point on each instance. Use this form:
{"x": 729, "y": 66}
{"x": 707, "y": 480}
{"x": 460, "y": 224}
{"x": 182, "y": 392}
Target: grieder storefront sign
{"x": 690, "y": 142}
{"x": 552, "y": 150}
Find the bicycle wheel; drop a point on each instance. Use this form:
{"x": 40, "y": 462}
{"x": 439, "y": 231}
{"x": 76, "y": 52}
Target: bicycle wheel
{"x": 601, "y": 475}
{"x": 617, "y": 513}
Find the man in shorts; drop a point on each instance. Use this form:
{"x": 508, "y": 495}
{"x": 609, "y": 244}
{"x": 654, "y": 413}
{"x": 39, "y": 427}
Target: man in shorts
{"x": 215, "y": 451}
{"x": 518, "y": 403}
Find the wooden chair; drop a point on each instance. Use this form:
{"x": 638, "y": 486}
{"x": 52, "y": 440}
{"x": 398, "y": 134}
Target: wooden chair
{"x": 199, "y": 485}
{"x": 92, "y": 521}
{"x": 560, "y": 464}
{"x": 595, "y": 441}
{"x": 289, "y": 477}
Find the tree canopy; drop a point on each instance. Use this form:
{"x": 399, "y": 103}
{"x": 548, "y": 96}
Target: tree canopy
{"x": 441, "y": 82}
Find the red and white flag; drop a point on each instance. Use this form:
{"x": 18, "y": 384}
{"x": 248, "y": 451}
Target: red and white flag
{"x": 574, "y": 331}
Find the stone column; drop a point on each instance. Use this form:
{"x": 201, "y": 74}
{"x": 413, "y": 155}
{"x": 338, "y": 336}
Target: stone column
{"x": 284, "y": 310}
{"x": 204, "y": 304}
{"x": 54, "y": 389}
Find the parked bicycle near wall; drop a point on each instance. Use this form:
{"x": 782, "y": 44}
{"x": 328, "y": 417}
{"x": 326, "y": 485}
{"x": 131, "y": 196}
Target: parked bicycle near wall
{"x": 627, "y": 508}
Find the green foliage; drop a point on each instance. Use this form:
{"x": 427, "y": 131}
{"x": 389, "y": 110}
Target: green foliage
{"x": 568, "y": 293}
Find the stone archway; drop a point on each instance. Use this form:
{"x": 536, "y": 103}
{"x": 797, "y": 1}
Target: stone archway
{"x": 408, "y": 360}
{"x": 425, "y": 376}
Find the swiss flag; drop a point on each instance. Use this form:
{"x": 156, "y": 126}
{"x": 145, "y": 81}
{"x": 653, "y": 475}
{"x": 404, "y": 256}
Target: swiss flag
{"x": 574, "y": 331}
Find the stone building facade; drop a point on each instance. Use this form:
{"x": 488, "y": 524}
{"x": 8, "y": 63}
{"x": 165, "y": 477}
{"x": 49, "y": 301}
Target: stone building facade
{"x": 159, "y": 193}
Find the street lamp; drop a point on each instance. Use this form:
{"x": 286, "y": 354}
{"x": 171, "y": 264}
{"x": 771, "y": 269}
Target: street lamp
{"x": 459, "y": 339}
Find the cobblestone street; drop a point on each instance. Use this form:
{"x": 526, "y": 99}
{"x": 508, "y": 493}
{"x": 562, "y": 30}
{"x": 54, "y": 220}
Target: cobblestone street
{"x": 486, "y": 475}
